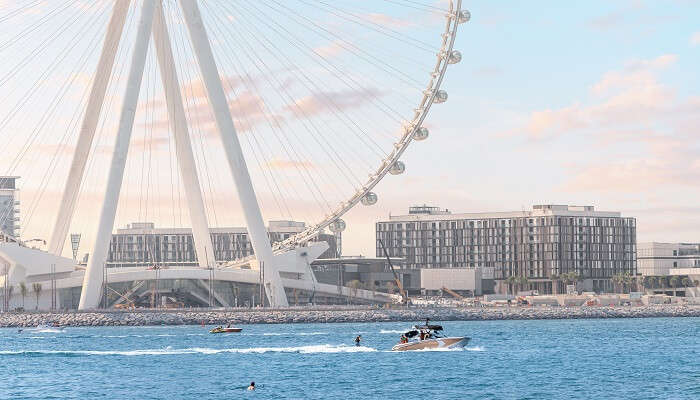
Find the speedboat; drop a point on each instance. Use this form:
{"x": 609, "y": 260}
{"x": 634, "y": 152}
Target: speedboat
{"x": 422, "y": 337}
{"x": 220, "y": 329}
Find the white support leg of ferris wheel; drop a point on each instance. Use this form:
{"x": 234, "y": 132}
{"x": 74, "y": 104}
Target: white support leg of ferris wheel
{"x": 87, "y": 129}
{"x": 246, "y": 194}
{"x": 92, "y": 283}
{"x": 183, "y": 144}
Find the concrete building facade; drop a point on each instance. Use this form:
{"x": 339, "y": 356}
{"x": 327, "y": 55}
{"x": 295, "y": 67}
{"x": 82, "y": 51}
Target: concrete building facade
{"x": 547, "y": 241}
{"x": 462, "y": 280}
{"x": 142, "y": 244}
{"x": 9, "y": 206}
{"x": 657, "y": 259}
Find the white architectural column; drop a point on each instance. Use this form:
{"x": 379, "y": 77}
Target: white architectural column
{"x": 87, "y": 129}
{"x": 183, "y": 144}
{"x": 251, "y": 210}
{"x": 92, "y": 283}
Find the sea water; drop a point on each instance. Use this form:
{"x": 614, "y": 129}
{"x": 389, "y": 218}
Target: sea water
{"x": 656, "y": 358}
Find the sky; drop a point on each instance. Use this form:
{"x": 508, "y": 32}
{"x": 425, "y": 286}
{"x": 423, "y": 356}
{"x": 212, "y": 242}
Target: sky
{"x": 586, "y": 103}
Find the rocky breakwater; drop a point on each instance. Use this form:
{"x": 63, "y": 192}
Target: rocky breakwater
{"x": 339, "y": 315}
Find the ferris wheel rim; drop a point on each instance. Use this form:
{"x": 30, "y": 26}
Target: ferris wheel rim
{"x": 420, "y": 113}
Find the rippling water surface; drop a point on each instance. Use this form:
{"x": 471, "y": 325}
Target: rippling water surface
{"x": 575, "y": 359}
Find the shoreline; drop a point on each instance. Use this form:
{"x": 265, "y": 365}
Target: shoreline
{"x": 335, "y": 315}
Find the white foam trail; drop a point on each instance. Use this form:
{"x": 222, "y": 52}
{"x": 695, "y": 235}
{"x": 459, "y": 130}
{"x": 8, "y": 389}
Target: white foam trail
{"x": 442, "y": 349}
{"x": 323, "y": 348}
{"x": 385, "y": 331}
{"x": 288, "y": 334}
{"x": 476, "y": 348}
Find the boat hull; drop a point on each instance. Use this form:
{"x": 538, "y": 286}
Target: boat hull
{"x": 429, "y": 344}
{"x": 226, "y": 330}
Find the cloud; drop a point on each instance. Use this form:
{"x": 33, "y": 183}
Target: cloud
{"x": 642, "y": 133}
{"x": 195, "y": 89}
{"x": 321, "y": 102}
{"x": 631, "y": 95}
{"x": 331, "y": 49}
{"x": 695, "y": 39}
{"x": 247, "y": 110}
{"x": 607, "y": 22}
{"x": 388, "y": 21}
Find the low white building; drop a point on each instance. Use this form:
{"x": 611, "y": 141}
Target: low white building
{"x": 456, "y": 279}
{"x": 657, "y": 259}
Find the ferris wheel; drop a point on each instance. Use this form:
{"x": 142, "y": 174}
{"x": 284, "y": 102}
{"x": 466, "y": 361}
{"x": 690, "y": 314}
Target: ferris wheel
{"x": 302, "y": 106}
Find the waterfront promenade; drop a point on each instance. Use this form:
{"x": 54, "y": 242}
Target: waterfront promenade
{"x": 337, "y": 315}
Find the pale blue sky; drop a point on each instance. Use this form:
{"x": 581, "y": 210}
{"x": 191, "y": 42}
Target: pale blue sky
{"x": 585, "y": 102}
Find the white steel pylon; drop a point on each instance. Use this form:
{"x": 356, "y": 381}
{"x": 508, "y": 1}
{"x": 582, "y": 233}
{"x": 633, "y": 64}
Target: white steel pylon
{"x": 152, "y": 21}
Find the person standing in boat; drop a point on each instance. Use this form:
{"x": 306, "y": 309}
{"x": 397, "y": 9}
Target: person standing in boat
{"x": 358, "y": 339}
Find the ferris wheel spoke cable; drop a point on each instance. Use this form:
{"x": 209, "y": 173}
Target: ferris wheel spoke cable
{"x": 418, "y": 6}
{"x": 35, "y": 86}
{"x": 247, "y": 137}
{"x": 21, "y": 10}
{"x": 392, "y": 33}
{"x": 49, "y": 113}
{"x": 48, "y": 174}
{"x": 361, "y": 53}
{"x": 306, "y": 120}
{"x": 432, "y": 94}
{"x": 276, "y": 82}
{"x": 273, "y": 83}
{"x": 51, "y": 67}
{"x": 200, "y": 153}
{"x": 315, "y": 56}
{"x": 31, "y": 28}
{"x": 363, "y": 136}
{"x": 353, "y": 49}
{"x": 274, "y": 125}
{"x": 259, "y": 139}
{"x": 257, "y": 154}
{"x": 100, "y": 135}
{"x": 193, "y": 117}
{"x": 342, "y": 75}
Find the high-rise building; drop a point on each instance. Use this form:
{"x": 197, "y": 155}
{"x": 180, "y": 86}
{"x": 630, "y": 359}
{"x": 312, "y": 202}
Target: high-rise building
{"x": 142, "y": 244}
{"x": 9, "y": 206}
{"x": 545, "y": 242}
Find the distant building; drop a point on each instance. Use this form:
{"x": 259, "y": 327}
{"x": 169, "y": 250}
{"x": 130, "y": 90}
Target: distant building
{"x": 547, "y": 241}
{"x": 142, "y": 244}
{"x": 372, "y": 273}
{"x": 657, "y": 259}
{"x": 9, "y": 206}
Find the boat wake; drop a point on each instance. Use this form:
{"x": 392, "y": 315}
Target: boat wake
{"x": 444, "y": 349}
{"x": 288, "y": 334}
{"x": 323, "y": 348}
{"x": 392, "y": 331}
{"x": 46, "y": 330}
